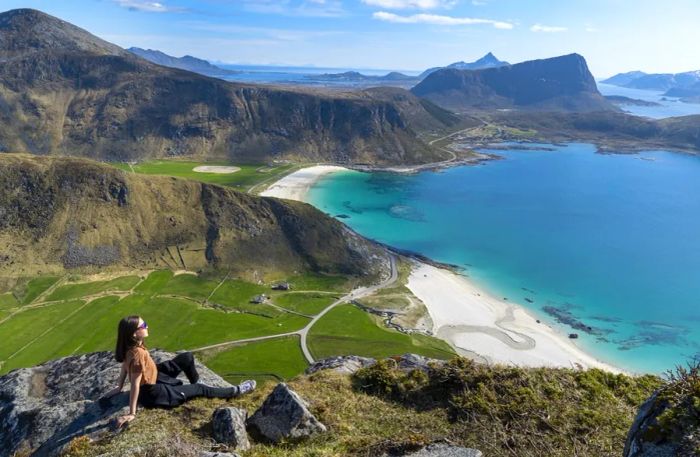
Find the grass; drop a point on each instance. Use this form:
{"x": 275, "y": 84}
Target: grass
{"x": 507, "y": 412}
{"x": 235, "y": 293}
{"x": 71, "y": 291}
{"x": 36, "y": 287}
{"x": 310, "y": 303}
{"x": 246, "y": 177}
{"x": 8, "y": 301}
{"x": 279, "y": 358}
{"x": 191, "y": 286}
{"x": 347, "y": 330}
{"x": 314, "y": 281}
{"x": 154, "y": 283}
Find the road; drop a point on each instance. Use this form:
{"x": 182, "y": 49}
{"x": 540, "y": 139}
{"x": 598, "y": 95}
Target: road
{"x": 304, "y": 332}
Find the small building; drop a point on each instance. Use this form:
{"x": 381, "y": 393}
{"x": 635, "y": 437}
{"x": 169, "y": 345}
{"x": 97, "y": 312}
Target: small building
{"x": 259, "y": 299}
{"x": 281, "y": 286}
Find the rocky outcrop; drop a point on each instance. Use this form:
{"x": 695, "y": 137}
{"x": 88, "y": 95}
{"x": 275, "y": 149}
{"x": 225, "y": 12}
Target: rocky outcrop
{"x": 229, "y": 427}
{"x": 44, "y": 407}
{"x": 647, "y": 438}
{"x": 445, "y": 450}
{"x": 284, "y": 415}
{"x": 349, "y": 364}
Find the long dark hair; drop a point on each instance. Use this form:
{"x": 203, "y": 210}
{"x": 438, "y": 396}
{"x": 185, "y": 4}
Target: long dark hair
{"x": 125, "y": 336}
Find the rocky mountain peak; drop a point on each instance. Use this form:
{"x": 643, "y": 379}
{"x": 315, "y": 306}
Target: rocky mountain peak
{"x": 24, "y": 31}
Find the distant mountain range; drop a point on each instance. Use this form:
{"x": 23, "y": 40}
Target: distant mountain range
{"x": 354, "y": 76}
{"x": 188, "y": 63}
{"x": 64, "y": 91}
{"x": 559, "y": 84}
{"x": 488, "y": 61}
{"x": 682, "y": 85}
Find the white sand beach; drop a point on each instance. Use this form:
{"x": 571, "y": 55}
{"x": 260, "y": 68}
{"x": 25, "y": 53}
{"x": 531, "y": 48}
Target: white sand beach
{"x": 295, "y": 185}
{"x": 476, "y": 324}
{"x": 489, "y": 329}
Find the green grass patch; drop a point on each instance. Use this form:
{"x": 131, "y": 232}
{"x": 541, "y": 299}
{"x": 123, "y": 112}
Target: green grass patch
{"x": 8, "y": 301}
{"x": 26, "y": 326}
{"x": 246, "y": 177}
{"x": 260, "y": 360}
{"x": 235, "y": 293}
{"x": 154, "y": 283}
{"x": 71, "y": 291}
{"x": 314, "y": 281}
{"x": 306, "y": 303}
{"x": 192, "y": 286}
{"x": 346, "y": 330}
{"x": 36, "y": 287}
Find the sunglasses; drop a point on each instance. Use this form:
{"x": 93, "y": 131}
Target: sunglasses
{"x": 143, "y": 325}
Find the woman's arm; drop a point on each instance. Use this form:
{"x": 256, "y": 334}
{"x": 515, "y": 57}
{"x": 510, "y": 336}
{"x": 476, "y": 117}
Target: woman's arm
{"x": 135, "y": 380}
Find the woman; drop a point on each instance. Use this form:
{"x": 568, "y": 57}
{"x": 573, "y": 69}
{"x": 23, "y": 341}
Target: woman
{"x": 156, "y": 385}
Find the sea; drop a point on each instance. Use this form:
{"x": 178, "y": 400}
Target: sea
{"x": 667, "y": 106}
{"x": 603, "y": 245}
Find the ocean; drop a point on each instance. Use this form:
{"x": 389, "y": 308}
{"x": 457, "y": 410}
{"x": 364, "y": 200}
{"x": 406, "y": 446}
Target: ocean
{"x": 607, "y": 244}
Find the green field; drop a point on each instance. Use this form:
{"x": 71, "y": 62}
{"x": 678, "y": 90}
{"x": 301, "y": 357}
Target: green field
{"x": 346, "y": 330}
{"x": 189, "y": 311}
{"x": 277, "y": 359}
{"x": 309, "y": 303}
{"x": 244, "y": 179}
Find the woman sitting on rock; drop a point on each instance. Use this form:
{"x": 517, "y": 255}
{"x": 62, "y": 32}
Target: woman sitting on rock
{"x": 156, "y": 385}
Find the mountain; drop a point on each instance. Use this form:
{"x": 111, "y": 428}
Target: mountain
{"x": 560, "y": 84}
{"x": 488, "y": 61}
{"x": 622, "y": 79}
{"x": 188, "y": 63}
{"x": 63, "y": 213}
{"x": 675, "y": 85}
{"x": 359, "y": 77}
{"x": 65, "y": 91}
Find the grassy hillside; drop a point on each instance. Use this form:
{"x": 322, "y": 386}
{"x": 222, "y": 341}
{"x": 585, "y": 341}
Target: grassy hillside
{"x": 64, "y": 214}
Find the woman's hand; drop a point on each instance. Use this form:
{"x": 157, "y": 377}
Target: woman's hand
{"x": 121, "y": 420}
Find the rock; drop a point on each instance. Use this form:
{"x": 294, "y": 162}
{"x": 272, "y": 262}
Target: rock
{"x": 284, "y": 414}
{"x": 408, "y": 362}
{"x": 445, "y": 450}
{"x": 347, "y": 364}
{"x": 46, "y": 406}
{"x": 636, "y": 445}
{"x": 229, "y": 427}
{"x": 217, "y": 454}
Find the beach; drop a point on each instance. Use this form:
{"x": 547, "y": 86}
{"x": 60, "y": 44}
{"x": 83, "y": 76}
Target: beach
{"x": 476, "y": 324}
{"x": 295, "y": 185}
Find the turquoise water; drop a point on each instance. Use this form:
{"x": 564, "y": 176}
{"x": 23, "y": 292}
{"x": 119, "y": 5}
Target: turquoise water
{"x": 610, "y": 242}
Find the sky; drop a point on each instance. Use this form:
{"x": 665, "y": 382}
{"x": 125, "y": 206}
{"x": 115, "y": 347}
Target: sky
{"x": 613, "y": 35}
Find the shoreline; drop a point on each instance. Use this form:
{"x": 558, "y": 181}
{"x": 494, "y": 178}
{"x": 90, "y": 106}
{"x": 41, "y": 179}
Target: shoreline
{"x": 476, "y": 324}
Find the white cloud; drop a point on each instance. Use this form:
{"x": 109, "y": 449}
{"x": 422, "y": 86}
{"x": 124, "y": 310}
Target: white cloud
{"x": 147, "y": 6}
{"x": 405, "y": 4}
{"x": 547, "y": 28}
{"x": 438, "y": 20}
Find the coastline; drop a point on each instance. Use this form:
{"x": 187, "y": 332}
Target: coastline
{"x": 476, "y": 324}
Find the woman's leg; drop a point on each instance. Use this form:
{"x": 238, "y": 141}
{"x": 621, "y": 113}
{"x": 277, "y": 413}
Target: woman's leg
{"x": 181, "y": 362}
{"x": 202, "y": 390}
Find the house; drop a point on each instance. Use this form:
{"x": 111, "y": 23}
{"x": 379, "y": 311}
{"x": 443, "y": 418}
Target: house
{"x": 258, "y": 299}
{"x": 282, "y": 286}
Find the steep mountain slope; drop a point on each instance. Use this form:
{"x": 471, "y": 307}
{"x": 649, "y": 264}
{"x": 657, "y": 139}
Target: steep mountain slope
{"x": 64, "y": 213}
{"x": 488, "y": 61}
{"x": 64, "y": 91}
{"x": 188, "y": 63}
{"x": 560, "y": 84}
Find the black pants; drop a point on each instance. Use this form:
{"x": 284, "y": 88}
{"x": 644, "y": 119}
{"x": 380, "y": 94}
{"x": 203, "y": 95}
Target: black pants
{"x": 168, "y": 391}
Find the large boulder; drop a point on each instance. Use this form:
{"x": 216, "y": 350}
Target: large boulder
{"x": 284, "y": 415}
{"x": 229, "y": 427}
{"x": 345, "y": 364}
{"x": 445, "y": 450}
{"x": 44, "y": 407}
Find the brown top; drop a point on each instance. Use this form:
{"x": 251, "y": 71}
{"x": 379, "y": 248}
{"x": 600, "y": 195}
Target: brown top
{"x": 139, "y": 361}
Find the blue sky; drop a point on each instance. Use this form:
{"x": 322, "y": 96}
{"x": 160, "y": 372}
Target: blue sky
{"x": 613, "y": 35}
